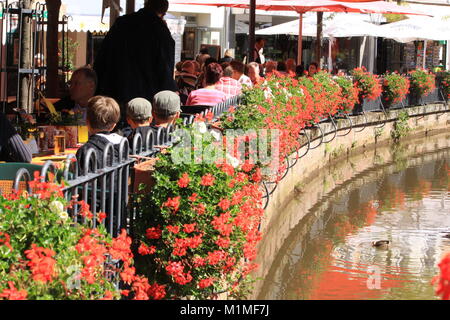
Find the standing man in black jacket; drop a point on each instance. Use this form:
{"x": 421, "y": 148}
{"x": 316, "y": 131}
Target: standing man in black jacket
{"x": 137, "y": 56}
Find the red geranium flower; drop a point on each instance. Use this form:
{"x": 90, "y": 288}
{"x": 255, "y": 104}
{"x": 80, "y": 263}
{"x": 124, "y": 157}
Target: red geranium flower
{"x": 41, "y": 263}
{"x": 12, "y": 293}
{"x": 193, "y": 197}
{"x": 173, "y": 203}
{"x": 224, "y": 204}
{"x": 173, "y": 229}
{"x": 207, "y": 180}
{"x": 153, "y": 232}
{"x": 188, "y": 228}
{"x": 146, "y": 250}
{"x": 200, "y": 208}
{"x": 183, "y": 182}
{"x": 204, "y": 283}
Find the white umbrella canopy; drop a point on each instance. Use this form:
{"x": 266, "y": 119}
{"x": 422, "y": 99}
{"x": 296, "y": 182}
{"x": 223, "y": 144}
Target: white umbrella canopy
{"x": 291, "y": 28}
{"x": 346, "y": 25}
{"x": 416, "y": 28}
{"x": 341, "y": 25}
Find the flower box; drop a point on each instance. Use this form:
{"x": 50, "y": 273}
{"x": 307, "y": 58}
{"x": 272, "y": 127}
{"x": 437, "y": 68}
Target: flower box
{"x": 399, "y": 105}
{"x": 433, "y": 97}
{"x": 367, "y": 106}
{"x": 414, "y": 99}
{"x": 143, "y": 173}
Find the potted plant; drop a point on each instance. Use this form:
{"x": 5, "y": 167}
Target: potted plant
{"x": 395, "y": 88}
{"x": 422, "y": 83}
{"x": 331, "y": 92}
{"x": 199, "y": 226}
{"x": 350, "y": 93}
{"x": 369, "y": 88}
{"x": 445, "y": 84}
{"x": 45, "y": 255}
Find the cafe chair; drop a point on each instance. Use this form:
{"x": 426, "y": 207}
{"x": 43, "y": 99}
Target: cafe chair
{"x": 8, "y": 175}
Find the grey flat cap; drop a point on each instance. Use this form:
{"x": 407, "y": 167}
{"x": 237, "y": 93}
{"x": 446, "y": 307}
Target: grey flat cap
{"x": 166, "y": 103}
{"x": 139, "y": 109}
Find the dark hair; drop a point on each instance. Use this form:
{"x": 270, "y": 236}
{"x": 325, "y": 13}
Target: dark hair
{"x": 204, "y": 50}
{"x": 237, "y": 66}
{"x": 213, "y": 73}
{"x": 102, "y": 112}
{"x": 314, "y": 64}
{"x": 210, "y": 60}
{"x": 299, "y": 70}
{"x": 259, "y": 39}
{"x": 224, "y": 65}
{"x": 88, "y": 73}
{"x": 157, "y": 6}
{"x": 281, "y": 66}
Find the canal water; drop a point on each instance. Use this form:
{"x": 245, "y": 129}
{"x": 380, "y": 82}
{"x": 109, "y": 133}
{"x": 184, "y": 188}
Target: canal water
{"x": 330, "y": 253}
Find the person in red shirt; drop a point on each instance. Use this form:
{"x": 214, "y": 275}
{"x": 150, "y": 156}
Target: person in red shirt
{"x": 227, "y": 84}
{"x": 208, "y": 95}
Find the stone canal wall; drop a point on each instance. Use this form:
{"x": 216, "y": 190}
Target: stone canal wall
{"x": 316, "y": 174}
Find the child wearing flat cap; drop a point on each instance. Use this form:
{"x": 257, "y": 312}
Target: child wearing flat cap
{"x": 139, "y": 117}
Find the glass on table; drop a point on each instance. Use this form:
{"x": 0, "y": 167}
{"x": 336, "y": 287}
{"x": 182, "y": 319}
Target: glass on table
{"x": 60, "y": 142}
{"x": 42, "y": 139}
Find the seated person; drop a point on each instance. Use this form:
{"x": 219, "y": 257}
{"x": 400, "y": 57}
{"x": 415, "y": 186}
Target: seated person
{"x": 253, "y": 72}
{"x": 291, "y": 65}
{"x": 178, "y": 68}
{"x": 300, "y": 70}
{"x": 139, "y": 117}
{"x": 208, "y": 95}
{"x": 186, "y": 80}
{"x": 166, "y": 109}
{"x": 238, "y": 73}
{"x": 282, "y": 68}
{"x": 198, "y": 68}
{"x": 270, "y": 67}
{"x": 103, "y": 113}
{"x": 202, "y": 56}
{"x": 227, "y": 84}
{"x": 201, "y": 77}
{"x": 227, "y": 56}
{"x": 12, "y": 148}
{"x": 313, "y": 69}
{"x": 82, "y": 86}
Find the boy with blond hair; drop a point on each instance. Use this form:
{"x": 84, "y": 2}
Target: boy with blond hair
{"x": 103, "y": 113}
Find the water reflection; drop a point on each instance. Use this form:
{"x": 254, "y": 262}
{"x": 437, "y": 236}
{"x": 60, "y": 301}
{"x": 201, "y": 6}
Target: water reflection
{"x": 329, "y": 255}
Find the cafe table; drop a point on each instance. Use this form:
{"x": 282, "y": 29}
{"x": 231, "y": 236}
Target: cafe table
{"x": 58, "y": 160}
